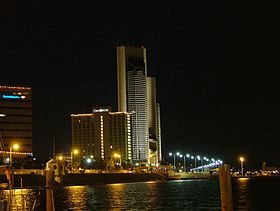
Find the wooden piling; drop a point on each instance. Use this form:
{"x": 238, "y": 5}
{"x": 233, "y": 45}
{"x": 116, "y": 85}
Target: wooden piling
{"x": 225, "y": 188}
{"x": 50, "y": 182}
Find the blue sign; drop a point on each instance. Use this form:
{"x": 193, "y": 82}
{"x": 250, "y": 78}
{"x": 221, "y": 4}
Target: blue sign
{"x": 11, "y": 97}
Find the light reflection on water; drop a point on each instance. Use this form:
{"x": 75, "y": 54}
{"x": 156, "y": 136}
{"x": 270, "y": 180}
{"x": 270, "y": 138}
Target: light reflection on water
{"x": 242, "y": 194}
{"x": 23, "y": 199}
{"x": 76, "y": 195}
{"x": 183, "y": 194}
{"x": 248, "y": 194}
{"x": 256, "y": 193}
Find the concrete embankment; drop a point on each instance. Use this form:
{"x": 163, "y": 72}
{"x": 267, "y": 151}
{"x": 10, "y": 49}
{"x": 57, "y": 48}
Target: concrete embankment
{"x": 28, "y": 180}
{"x": 91, "y": 179}
{"x": 33, "y": 180}
{"x": 190, "y": 176}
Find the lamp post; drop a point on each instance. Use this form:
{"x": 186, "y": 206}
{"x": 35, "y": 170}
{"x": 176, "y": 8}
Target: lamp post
{"x": 184, "y": 158}
{"x": 184, "y": 163}
{"x": 187, "y": 155}
{"x": 198, "y": 158}
{"x": 118, "y": 156}
{"x": 174, "y": 159}
{"x": 15, "y": 146}
{"x": 60, "y": 158}
{"x": 11, "y": 176}
{"x": 170, "y": 154}
{"x": 192, "y": 157}
{"x": 241, "y": 164}
{"x": 75, "y": 152}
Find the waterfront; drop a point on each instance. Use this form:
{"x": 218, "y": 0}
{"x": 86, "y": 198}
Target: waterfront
{"x": 259, "y": 193}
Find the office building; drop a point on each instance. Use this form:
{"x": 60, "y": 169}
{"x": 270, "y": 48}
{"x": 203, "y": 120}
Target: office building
{"x": 153, "y": 122}
{"x": 16, "y": 118}
{"x": 137, "y": 95}
{"x": 102, "y": 134}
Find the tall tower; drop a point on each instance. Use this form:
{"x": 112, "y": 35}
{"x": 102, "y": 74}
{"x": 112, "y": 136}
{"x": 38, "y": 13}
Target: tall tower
{"x": 132, "y": 96}
{"x": 153, "y": 122}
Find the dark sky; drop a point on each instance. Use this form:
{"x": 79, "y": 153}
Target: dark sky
{"x": 215, "y": 64}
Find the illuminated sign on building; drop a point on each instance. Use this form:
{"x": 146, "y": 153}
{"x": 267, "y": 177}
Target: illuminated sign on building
{"x": 13, "y": 97}
{"x": 100, "y": 110}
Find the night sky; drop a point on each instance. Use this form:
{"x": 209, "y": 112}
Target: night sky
{"x": 215, "y": 63}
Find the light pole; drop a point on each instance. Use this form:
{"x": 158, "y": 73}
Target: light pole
{"x": 241, "y": 164}
{"x": 174, "y": 159}
{"x": 187, "y": 155}
{"x": 178, "y": 154}
{"x": 75, "y": 152}
{"x": 15, "y": 146}
{"x": 11, "y": 176}
{"x": 198, "y": 158}
{"x": 192, "y": 157}
{"x": 118, "y": 156}
{"x": 60, "y": 158}
{"x": 170, "y": 154}
{"x": 184, "y": 163}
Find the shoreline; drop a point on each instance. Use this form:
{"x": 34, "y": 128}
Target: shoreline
{"x": 37, "y": 180}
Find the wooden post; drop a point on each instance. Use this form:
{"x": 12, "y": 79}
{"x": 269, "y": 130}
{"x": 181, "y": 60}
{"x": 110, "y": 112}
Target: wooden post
{"x": 50, "y": 182}
{"x": 225, "y": 188}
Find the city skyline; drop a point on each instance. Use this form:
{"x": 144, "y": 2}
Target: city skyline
{"x": 214, "y": 65}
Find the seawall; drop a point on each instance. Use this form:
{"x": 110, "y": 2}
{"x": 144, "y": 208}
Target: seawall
{"x": 35, "y": 180}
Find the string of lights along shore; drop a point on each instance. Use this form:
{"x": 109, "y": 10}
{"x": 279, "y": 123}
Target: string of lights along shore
{"x": 132, "y": 134}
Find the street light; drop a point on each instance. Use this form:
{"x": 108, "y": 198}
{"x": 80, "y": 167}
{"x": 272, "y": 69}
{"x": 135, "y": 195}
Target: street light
{"x": 184, "y": 163}
{"x": 170, "y": 154}
{"x": 16, "y": 147}
{"x": 192, "y": 157}
{"x": 174, "y": 159}
{"x": 241, "y": 163}
{"x": 118, "y": 156}
{"x": 75, "y": 152}
{"x": 198, "y": 158}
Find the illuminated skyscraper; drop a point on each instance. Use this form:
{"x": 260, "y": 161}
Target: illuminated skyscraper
{"x": 101, "y": 134}
{"x": 153, "y": 122}
{"x": 16, "y": 117}
{"x": 136, "y": 94}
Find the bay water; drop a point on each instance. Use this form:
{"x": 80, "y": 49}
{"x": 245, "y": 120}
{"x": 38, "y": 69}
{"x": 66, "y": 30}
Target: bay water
{"x": 260, "y": 193}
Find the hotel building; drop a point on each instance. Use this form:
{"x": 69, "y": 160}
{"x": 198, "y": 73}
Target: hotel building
{"x": 16, "y": 118}
{"x": 137, "y": 95}
{"x": 102, "y": 134}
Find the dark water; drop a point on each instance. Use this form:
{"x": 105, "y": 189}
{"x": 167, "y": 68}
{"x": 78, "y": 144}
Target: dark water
{"x": 260, "y": 194}
{"x": 248, "y": 194}
{"x": 175, "y": 195}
